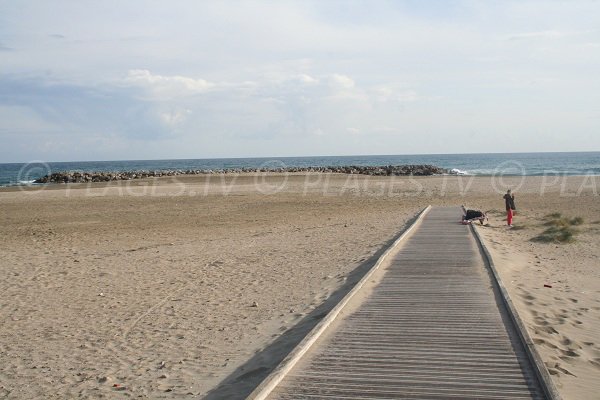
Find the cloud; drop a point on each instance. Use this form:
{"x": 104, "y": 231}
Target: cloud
{"x": 69, "y": 109}
{"x": 174, "y": 117}
{"x": 307, "y": 79}
{"x": 296, "y": 90}
{"x": 338, "y": 81}
{"x": 167, "y": 86}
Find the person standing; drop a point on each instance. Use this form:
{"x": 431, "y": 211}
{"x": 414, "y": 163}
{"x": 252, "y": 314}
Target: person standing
{"x": 509, "y": 199}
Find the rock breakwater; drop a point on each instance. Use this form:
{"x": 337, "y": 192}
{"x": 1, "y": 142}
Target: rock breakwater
{"x": 389, "y": 170}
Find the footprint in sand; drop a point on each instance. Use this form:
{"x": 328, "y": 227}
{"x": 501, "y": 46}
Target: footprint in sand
{"x": 556, "y": 369}
{"x": 565, "y": 371}
{"x": 549, "y": 329}
{"x": 569, "y": 353}
{"x": 540, "y": 342}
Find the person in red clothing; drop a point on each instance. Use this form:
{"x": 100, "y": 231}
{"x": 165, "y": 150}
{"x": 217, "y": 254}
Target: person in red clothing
{"x": 509, "y": 199}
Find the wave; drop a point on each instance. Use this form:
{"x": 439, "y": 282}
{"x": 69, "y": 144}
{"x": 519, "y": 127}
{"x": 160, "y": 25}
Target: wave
{"x": 19, "y": 183}
{"x": 456, "y": 171}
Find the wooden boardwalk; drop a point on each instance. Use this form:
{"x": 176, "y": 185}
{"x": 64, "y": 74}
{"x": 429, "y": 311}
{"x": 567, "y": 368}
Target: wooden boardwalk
{"x": 434, "y": 327}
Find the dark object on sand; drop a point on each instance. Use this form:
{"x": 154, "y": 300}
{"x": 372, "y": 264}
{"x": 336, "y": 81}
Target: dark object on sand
{"x": 474, "y": 215}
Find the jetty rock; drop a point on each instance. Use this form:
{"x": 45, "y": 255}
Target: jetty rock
{"x": 387, "y": 170}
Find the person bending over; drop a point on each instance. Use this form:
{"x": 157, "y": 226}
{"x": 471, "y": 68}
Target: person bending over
{"x": 474, "y": 215}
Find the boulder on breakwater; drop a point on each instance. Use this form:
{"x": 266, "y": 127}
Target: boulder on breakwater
{"x": 389, "y": 170}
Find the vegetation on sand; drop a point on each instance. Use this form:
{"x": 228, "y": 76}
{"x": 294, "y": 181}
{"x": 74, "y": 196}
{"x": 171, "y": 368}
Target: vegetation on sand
{"x": 559, "y": 229}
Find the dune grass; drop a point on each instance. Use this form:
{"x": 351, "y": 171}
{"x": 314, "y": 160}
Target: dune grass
{"x": 559, "y": 229}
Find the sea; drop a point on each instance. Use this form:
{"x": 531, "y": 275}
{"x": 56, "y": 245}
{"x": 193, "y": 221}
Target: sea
{"x": 528, "y": 164}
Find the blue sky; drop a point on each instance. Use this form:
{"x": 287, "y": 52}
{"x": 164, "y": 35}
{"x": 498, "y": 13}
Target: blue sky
{"x": 88, "y": 80}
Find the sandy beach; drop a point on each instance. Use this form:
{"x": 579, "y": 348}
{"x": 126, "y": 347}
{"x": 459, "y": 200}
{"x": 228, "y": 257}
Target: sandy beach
{"x": 195, "y": 287}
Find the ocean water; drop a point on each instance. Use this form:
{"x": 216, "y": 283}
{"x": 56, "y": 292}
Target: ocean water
{"x": 581, "y": 163}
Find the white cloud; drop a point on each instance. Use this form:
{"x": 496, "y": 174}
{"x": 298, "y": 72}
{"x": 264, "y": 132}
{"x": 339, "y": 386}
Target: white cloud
{"x": 338, "y": 81}
{"x": 307, "y": 79}
{"x": 174, "y": 118}
{"x": 167, "y": 86}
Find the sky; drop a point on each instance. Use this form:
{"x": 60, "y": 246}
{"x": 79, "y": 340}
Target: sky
{"x": 156, "y": 79}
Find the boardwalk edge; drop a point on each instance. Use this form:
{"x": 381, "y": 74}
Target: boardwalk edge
{"x": 540, "y": 368}
{"x": 276, "y": 376}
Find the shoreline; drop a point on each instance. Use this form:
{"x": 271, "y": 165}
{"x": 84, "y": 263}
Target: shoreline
{"x": 553, "y": 175}
{"x": 33, "y": 184}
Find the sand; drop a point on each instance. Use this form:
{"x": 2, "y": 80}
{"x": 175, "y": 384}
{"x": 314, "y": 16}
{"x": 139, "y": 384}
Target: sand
{"x": 197, "y": 286}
